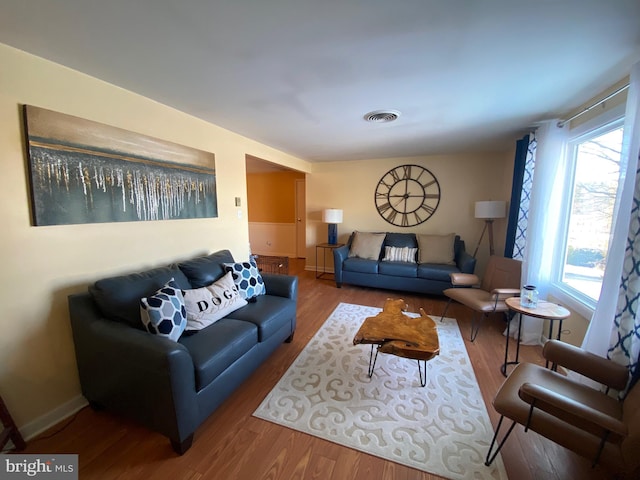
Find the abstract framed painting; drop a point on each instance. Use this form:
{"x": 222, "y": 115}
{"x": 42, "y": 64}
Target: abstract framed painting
{"x": 87, "y": 172}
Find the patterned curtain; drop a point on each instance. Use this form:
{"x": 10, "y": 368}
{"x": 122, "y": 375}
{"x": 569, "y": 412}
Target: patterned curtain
{"x": 516, "y": 240}
{"x": 520, "y": 195}
{"x": 625, "y": 341}
{"x": 625, "y": 345}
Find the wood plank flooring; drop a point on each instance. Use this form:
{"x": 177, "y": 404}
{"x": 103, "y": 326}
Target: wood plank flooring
{"x": 232, "y": 444}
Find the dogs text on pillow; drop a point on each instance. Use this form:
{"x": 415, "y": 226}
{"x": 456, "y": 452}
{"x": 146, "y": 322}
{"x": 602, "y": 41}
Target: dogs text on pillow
{"x": 209, "y": 304}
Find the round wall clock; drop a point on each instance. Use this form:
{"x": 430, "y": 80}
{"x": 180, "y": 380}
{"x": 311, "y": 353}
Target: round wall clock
{"x": 407, "y": 195}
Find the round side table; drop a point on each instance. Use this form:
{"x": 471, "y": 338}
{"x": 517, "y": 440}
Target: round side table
{"x": 544, "y": 310}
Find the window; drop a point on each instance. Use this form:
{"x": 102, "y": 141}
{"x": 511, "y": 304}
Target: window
{"x": 592, "y": 187}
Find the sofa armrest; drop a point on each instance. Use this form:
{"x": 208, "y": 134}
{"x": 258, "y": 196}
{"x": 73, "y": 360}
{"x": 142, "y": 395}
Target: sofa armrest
{"x": 340, "y": 254}
{"x": 281, "y": 285}
{"x": 465, "y": 262}
{"x": 597, "y": 368}
{"x": 145, "y": 377}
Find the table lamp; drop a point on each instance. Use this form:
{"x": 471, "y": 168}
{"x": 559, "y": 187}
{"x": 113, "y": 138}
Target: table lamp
{"x": 332, "y": 216}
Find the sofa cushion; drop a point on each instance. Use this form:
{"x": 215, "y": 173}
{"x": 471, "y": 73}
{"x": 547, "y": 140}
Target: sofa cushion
{"x": 395, "y": 239}
{"x": 247, "y": 278}
{"x": 360, "y": 265}
{"x": 436, "y": 249}
{"x": 203, "y": 271}
{"x": 398, "y": 269}
{"x": 217, "y": 346}
{"x": 209, "y": 304}
{"x": 118, "y": 298}
{"x": 164, "y": 313}
{"x": 366, "y": 245}
{"x": 268, "y": 313}
{"x": 400, "y": 254}
{"x": 434, "y": 271}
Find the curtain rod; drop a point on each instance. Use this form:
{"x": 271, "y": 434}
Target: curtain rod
{"x": 562, "y": 123}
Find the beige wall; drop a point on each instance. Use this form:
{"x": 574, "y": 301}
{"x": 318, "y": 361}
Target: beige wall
{"x": 574, "y": 328}
{"x": 42, "y": 265}
{"x": 463, "y": 179}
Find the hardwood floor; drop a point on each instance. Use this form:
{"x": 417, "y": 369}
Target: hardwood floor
{"x": 232, "y": 444}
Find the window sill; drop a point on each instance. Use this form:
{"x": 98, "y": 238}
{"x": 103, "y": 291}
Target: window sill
{"x": 572, "y": 302}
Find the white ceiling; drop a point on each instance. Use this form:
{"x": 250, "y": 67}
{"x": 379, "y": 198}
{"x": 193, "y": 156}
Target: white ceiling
{"x": 300, "y": 74}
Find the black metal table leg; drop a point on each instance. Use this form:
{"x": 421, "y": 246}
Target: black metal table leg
{"x": 554, "y": 367}
{"x": 423, "y": 381}
{"x": 372, "y": 365}
{"x": 503, "y": 369}
{"x": 371, "y": 357}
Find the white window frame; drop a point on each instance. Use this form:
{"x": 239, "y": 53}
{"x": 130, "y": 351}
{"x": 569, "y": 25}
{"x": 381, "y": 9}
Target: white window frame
{"x": 572, "y": 298}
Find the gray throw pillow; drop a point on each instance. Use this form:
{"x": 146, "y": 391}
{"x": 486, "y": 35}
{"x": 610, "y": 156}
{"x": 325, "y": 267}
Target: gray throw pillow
{"x": 366, "y": 245}
{"x": 436, "y": 249}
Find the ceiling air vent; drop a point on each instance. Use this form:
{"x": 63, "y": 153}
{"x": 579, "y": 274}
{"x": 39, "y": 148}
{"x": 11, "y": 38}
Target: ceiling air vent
{"x": 382, "y": 116}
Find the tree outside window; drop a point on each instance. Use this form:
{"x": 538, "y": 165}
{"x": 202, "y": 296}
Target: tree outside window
{"x": 595, "y": 186}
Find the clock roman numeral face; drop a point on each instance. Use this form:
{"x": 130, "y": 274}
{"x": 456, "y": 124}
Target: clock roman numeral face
{"x": 407, "y": 195}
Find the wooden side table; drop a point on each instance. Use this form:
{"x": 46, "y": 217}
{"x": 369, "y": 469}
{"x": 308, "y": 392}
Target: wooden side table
{"x": 544, "y": 310}
{"x": 10, "y": 430}
{"x": 324, "y": 247}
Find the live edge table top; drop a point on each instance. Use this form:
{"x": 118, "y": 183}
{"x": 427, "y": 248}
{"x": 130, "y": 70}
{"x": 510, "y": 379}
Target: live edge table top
{"x": 543, "y": 309}
{"x": 400, "y": 334}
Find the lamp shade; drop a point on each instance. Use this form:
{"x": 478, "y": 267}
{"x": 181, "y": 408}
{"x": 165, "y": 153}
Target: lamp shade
{"x": 491, "y": 209}
{"x": 332, "y": 215}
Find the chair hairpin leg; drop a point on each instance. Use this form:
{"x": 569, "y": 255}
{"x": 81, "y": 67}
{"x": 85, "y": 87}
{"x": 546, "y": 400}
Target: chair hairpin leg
{"x": 600, "y": 448}
{"x": 533, "y": 405}
{"x": 491, "y": 457}
{"x": 445, "y": 310}
{"x": 475, "y": 326}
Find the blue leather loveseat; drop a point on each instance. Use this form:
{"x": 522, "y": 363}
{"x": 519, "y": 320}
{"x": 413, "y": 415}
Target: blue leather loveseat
{"x": 172, "y": 386}
{"x": 409, "y": 276}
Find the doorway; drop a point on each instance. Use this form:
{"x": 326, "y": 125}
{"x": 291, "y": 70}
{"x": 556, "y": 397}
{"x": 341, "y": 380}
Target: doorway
{"x": 301, "y": 219}
{"x": 276, "y": 207}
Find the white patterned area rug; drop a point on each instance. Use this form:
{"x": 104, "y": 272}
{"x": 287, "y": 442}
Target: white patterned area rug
{"x": 442, "y": 428}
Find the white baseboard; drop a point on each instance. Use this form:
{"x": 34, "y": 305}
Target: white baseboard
{"x": 52, "y": 418}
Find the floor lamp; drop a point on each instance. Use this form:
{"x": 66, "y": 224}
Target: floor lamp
{"x": 489, "y": 211}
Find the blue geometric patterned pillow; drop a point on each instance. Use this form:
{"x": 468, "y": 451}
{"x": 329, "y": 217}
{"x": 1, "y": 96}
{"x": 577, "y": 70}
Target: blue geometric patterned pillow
{"x": 247, "y": 278}
{"x": 164, "y": 312}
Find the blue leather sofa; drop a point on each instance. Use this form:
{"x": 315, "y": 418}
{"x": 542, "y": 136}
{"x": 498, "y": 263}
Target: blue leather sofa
{"x": 172, "y": 387}
{"x": 428, "y": 278}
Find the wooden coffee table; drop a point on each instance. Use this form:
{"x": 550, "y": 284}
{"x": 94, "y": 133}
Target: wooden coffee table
{"x": 400, "y": 335}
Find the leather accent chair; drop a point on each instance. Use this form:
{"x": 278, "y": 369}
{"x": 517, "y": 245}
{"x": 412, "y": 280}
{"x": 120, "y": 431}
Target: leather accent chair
{"x": 587, "y": 421}
{"x": 500, "y": 281}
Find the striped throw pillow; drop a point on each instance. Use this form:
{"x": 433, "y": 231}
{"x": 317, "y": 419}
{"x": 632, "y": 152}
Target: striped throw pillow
{"x": 399, "y": 254}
